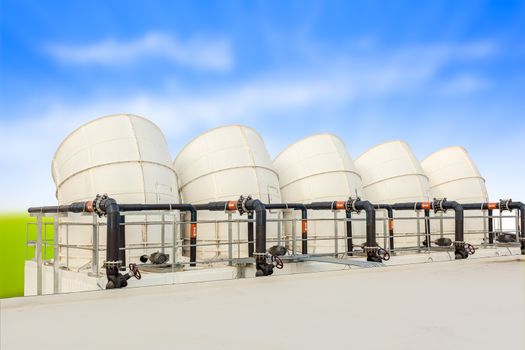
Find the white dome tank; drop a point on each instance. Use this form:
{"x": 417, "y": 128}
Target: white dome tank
{"x": 125, "y": 156}
{"x": 392, "y": 174}
{"x": 314, "y": 169}
{"x": 453, "y": 174}
{"x": 223, "y": 164}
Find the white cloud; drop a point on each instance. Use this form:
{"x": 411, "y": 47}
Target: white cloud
{"x": 182, "y": 112}
{"x": 203, "y": 53}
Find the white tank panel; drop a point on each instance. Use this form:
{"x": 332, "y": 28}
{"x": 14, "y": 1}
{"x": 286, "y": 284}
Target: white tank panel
{"x": 223, "y": 164}
{"x": 316, "y": 169}
{"x": 125, "y": 156}
{"x": 392, "y": 174}
{"x": 454, "y": 175}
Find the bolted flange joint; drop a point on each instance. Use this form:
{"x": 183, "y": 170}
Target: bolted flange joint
{"x": 97, "y": 204}
{"x": 504, "y": 204}
{"x": 351, "y": 205}
{"x": 241, "y": 204}
{"x": 438, "y": 205}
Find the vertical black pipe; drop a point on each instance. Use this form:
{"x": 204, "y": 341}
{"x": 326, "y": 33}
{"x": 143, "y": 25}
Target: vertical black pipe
{"x": 491, "y": 227}
{"x": 113, "y": 241}
{"x": 250, "y": 234}
{"x": 370, "y": 222}
{"x": 349, "y": 234}
{"x": 427, "y": 228}
{"x": 122, "y": 240}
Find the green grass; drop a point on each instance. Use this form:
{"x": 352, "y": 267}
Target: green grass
{"x": 13, "y": 251}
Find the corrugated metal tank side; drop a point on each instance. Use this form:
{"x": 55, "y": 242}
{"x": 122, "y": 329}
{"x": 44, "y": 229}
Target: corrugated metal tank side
{"x": 223, "y": 164}
{"x": 125, "y": 156}
{"x": 454, "y": 175}
{"x": 392, "y": 174}
{"x": 318, "y": 168}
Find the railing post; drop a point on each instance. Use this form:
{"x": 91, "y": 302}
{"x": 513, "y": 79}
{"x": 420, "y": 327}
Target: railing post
{"x": 56, "y": 257}
{"x": 162, "y": 234}
{"x": 94, "y": 254}
{"x": 279, "y": 222}
{"x": 294, "y": 234}
{"x": 418, "y": 233}
{"x": 385, "y": 231}
{"x": 230, "y": 240}
{"x": 38, "y": 252}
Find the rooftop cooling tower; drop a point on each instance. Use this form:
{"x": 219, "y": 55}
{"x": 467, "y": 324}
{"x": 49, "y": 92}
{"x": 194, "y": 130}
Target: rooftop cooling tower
{"x": 392, "y": 174}
{"x": 319, "y": 168}
{"x": 125, "y": 156}
{"x": 223, "y": 164}
{"x": 454, "y": 175}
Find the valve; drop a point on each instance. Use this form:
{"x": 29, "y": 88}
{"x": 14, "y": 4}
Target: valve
{"x": 383, "y": 254}
{"x": 504, "y": 204}
{"x": 463, "y": 250}
{"x": 156, "y": 258}
{"x": 121, "y": 281}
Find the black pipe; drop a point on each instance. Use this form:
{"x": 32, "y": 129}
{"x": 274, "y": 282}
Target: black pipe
{"x": 110, "y": 207}
{"x": 390, "y": 214}
{"x": 349, "y": 234}
{"x": 182, "y": 207}
{"x": 304, "y": 220}
{"x": 491, "y": 227}
{"x": 442, "y": 205}
{"x": 371, "y": 247}
{"x": 521, "y": 207}
{"x": 102, "y": 205}
{"x": 484, "y": 206}
{"x": 427, "y": 228}
{"x": 260, "y": 224}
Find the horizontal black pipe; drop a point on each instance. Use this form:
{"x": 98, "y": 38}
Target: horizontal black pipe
{"x": 442, "y": 205}
{"x": 77, "y": 207}
{"x": 357, "y": 205}
{"x": 304, "y": 220}
{"x": 176, "y": 206}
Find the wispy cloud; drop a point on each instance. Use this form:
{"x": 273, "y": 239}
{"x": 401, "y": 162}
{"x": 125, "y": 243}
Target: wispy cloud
{"x": 336, "y": 80}
{"x": 202, "y": 53}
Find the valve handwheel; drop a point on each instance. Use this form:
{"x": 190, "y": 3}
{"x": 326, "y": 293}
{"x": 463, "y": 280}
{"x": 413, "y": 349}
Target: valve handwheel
{"x": 278, "y": 262}
{"x": 470, "y": 248}
{"x": 383, "y": 254}
{"x": 134, "y": 269}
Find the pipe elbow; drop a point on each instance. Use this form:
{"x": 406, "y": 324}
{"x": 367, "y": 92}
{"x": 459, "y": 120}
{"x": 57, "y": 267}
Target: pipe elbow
{"x": 366, "y": 206}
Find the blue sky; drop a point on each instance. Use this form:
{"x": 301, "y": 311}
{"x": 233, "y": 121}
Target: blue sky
{"x": 433, "y": 73}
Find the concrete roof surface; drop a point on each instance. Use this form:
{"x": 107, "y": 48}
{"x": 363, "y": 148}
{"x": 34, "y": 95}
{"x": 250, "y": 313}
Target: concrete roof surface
{"x": 471, "y": 304}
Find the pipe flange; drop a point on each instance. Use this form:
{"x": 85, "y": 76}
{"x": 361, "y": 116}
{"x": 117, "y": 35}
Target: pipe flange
{"x": 504, "y": 204}
{"x": 241, "y": 204}
{"x": 260, "y": 256}
{"x": 97, "y": 208}
{"x": 350, "y": 205}
{"x": 459, "y": 244}
{"x": 112, "y": 264}
{"x": 370, "y": 249}
{"x": 438, "y": 205}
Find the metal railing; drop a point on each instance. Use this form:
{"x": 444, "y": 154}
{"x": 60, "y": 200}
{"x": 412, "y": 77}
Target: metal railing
{"x": 235, "y": 238}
